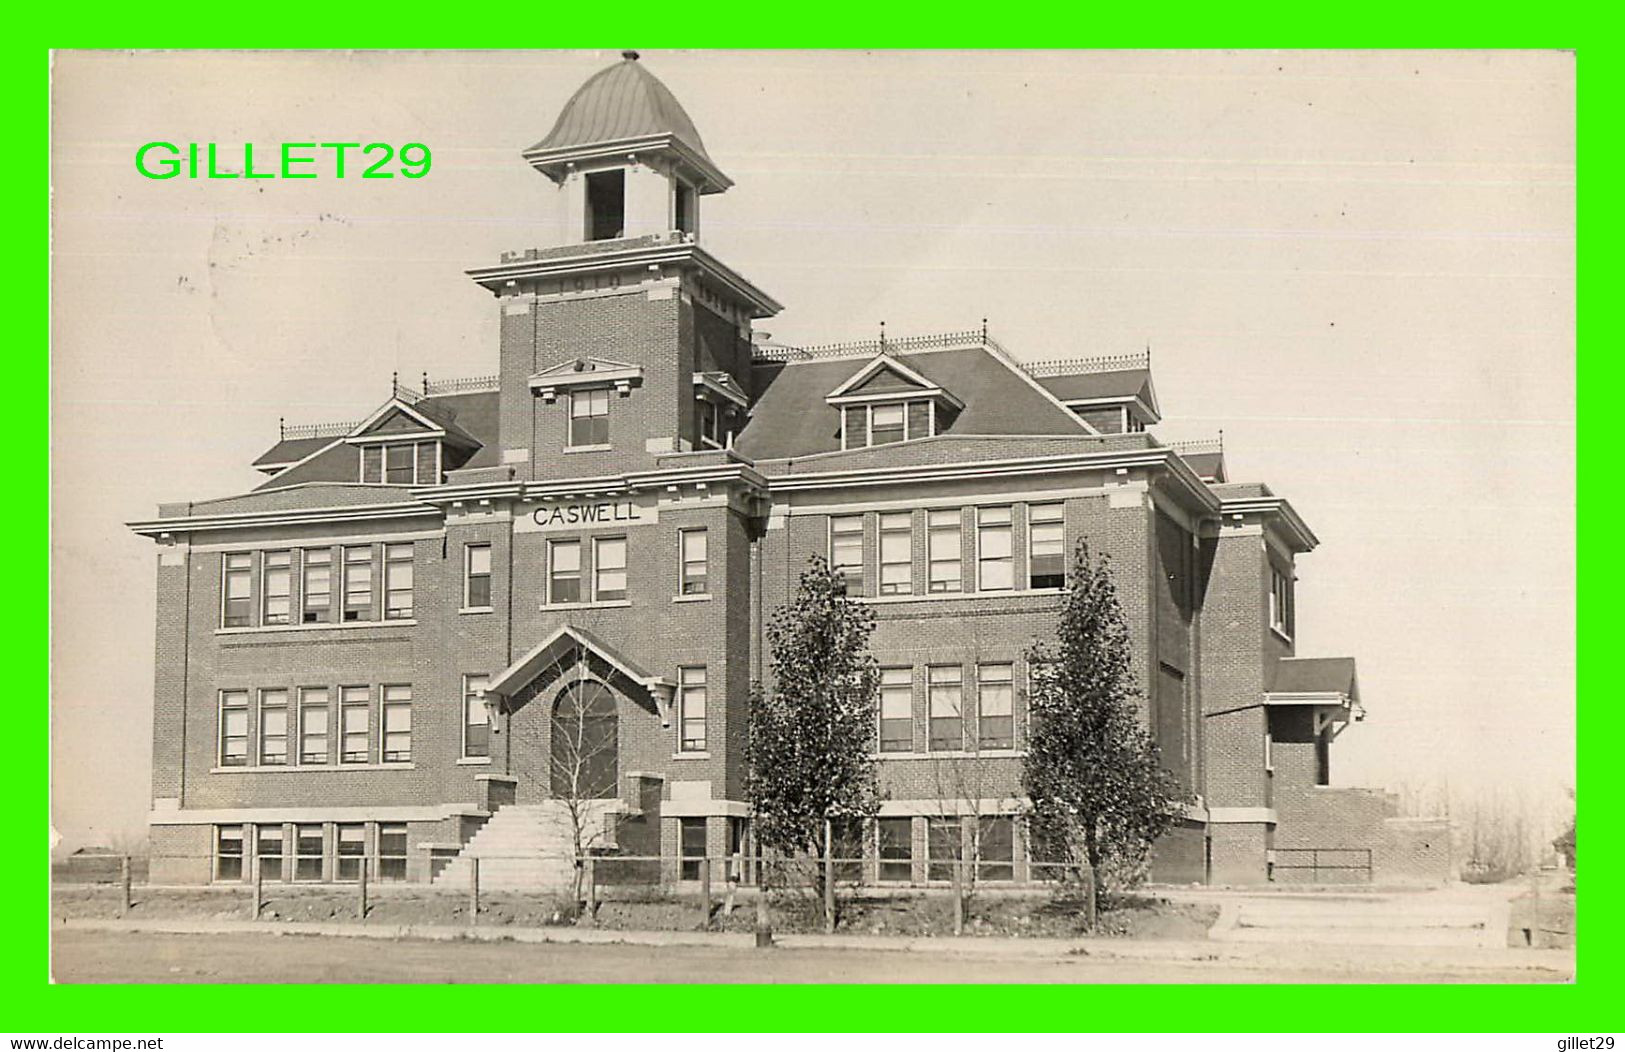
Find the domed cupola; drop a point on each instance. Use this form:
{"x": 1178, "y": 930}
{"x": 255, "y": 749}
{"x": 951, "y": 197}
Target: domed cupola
{"x": 628, "y": 158}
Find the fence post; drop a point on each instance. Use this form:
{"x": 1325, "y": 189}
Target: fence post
{"x": 473, "y": 891}
{"x": 829, "y": 877}
{"x": 959, "y": 899}
{"x": 124, "y": 882}
{"x": 592, "y": 891}
{"x": 361, "y": 901}
{"x": 259, "y": 881}
{"x": 705, "y": 893}
{"x": 764, "y": 926}
{"x": 735, "y": 866}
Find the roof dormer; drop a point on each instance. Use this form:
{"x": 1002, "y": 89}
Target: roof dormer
{"x": 887, "y": 401}
{"x": 406, "y": 442}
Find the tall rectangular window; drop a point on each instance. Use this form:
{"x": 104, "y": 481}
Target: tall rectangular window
{"x": 846, "y": 550}
{"x": 399, "y": 464}
{"x": 897, "y": 553}
{"x": 358, "y": 583}
{"x": 605, "y": 194}
{"x": 564, "y": 571}
{"x": 273, "y": 728}
{"x": 355, "y": 711}
{"x": 995, "y": 558}
{"x": 313, "y": 717}
{"x": 228, "y": 852}
{"x": 1281, "y": 614}
{"x": 476, "y": 717}
{"x": 234, "y": 728}
{"x": 477, "y": 576}
{"x": 943, "y": 549}
{"x": 609, "y": 569}
{"x": 428, "y": 470}
{"x": 945, "y": 691}
{"x": 995, "y": 707}
{"x": 268, "y": 851}
{"x": 885, "y": 424}
{"x": 589, "y": 417}
{"x": 895, "y": 838}
{"x": 276, "y": 577}
{"x": 691, "y": 546}
{"x": 307, "y": 851}
{"x": 372, "y": 463}
{"x": 691, "y": 835}
{"x": 350, "y": 849}
{"x": 398, "y": 581}
{"x": 237, "y": 590}
{"x": 397, "y": 721}
{"x": 996, "y": 848}
{"x": 896, "y": 710}
{"x": 317, "y": 598}
{"x": 1046, "y": 554}
{"x": 392, "y": 851}
{"x": 691, "y": 698}
{"x": 944, "y": 842}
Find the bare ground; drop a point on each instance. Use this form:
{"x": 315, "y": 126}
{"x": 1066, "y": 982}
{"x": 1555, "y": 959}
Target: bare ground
{"x": 80, "y": 956}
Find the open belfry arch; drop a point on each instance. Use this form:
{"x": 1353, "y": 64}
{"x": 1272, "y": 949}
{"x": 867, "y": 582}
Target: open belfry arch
{"x": 375, "y": 648}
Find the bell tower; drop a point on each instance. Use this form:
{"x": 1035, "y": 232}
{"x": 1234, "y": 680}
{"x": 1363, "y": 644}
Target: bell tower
{"x": 625, "y": 330}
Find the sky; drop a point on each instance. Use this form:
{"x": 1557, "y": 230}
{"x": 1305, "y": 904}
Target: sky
{"x": 1358, "y": 266}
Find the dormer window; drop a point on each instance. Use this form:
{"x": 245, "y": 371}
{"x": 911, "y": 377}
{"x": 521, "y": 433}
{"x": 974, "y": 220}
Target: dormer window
{"x": 606, "y": 204}
{"x": 401, "y": 463}
{"x": 888, "y": 401}
{"x": 719, "y": 403}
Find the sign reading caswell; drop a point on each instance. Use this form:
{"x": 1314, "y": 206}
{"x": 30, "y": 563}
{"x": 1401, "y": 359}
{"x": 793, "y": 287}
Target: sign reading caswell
{"x": 580, "y": 514}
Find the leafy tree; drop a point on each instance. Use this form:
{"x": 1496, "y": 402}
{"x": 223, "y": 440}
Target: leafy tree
{"x": 1098, "y": 794}
{"x": 812, "y": 734}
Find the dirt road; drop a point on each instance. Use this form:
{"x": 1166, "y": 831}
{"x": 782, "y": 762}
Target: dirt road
{"x": 140, "y": 957}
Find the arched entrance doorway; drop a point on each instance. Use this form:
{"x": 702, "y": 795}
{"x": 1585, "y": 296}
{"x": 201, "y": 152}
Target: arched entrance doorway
{"x": 584, "y": 746}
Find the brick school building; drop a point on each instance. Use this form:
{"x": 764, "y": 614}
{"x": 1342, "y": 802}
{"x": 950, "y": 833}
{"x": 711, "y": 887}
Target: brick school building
{"x": 370, "y": 654}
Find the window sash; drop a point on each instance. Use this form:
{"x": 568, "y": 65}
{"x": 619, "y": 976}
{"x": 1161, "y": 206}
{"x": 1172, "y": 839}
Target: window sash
{"x": 995, "y": 553}
{"x": 228, "y": 852}
{"x": 477, "y": 576}
{"x": 392, "y": 850}
{"x": 397, "y": 725}
{"x": 693, "y": 558}
{"x": 349, "y": 848}
{"x": 273, "y": 728}
{"x": 313, "y": 726}
{"x": 400, "y": 463}
{"x": 372, "y": 463}
{"x": 894, "y": 843}
{"x": 358, "y": 584}
{"x": 317, "y": 599}
{"x": 846, "y": 550}
{"x": 944, "y": 843}
{"x": 1046, "y": 546}
{"x": 896, "y": 554}
{"x": 944, "y": 553}
{"x": 995, "y": 696}
{"x": 234, "y": 728}
{"x": 692, "y": 698}
{"x": 945, "y": 696}
{"x": 996, "y": 848}
{"x": 398, "y": 581}
{"x": 236, "y": 590}
{"x": 609, "y": 569}
{"x": 355, "y": 731}
{"x": 896, "y": 710}
{"x": 886, "y": 424}
{"x": 589, "y": 418}
{"x": 564, "y": 571}
{"x": 276, "y": 584}
{"x": 476, "y": 717}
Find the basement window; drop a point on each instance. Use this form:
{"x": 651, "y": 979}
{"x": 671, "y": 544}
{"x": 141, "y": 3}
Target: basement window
{"x": 606, "y": 204}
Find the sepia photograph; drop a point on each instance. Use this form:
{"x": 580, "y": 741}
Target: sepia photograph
{"x": 796, "y": 516}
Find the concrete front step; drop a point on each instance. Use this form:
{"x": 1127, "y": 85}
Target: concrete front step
{"x": 523, "y": 847}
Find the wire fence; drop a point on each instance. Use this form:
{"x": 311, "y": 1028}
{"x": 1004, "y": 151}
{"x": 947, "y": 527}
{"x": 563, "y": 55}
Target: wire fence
{"x": 578, "y": 883}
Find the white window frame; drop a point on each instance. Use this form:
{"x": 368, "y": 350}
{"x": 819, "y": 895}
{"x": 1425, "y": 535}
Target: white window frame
{"x": 1009, "y": 683}
{"x": 260, "y": 707}
{"x": 1281, "y": 602}
{"x": 907, "y": 532}
{"x": 472, "y": 694}
{"x": 1034, "y": 523}
{"x": 687, "y": 688}
{"x": 958, "y": 684}
{"x": 371, "y": 563}
{"x": 958, "y": 515}
{"x": 1009, "y": 527}
{"x": 906, "y": 675}
{"x": 306, "y": 704}
{"x": 862, "y": 534}
{"x": 683, "y": 561}
{"x": 305, "y": 592}
{"x": 553, "y": 547}
{"x": 226, "y": 572}
{"x": 598, "y": 568}
{"x": 570, "y": 417}
{"x": 393, "y": 560}
{"x": 398, "y": 702}
{"x": 364, "y": 706}
{"x": 469, "y": 575}
{"x": 248, "y": 726}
